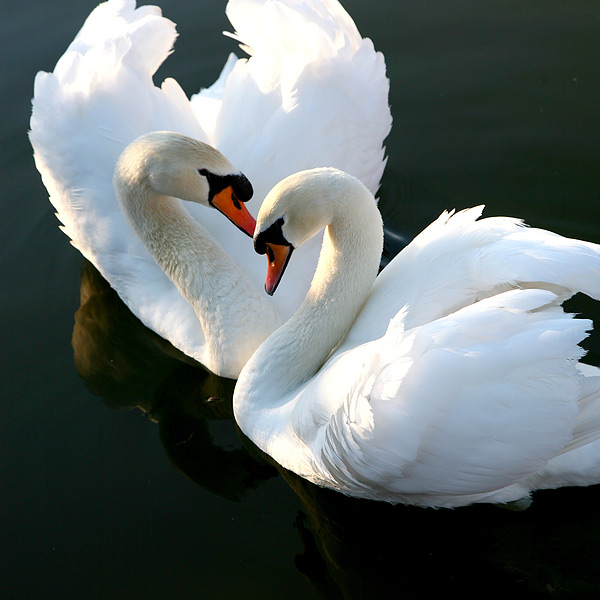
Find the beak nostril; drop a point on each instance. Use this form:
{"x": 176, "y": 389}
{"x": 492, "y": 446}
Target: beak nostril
{"x": 270, "y": 255}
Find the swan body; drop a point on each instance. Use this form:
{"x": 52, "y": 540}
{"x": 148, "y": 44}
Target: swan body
{"x": 310, "y": 78}
{"x": 453, "y": 379}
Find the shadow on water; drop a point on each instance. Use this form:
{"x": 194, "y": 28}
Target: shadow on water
{"x": 128, "y": 365}
{"x": 351, "y": 548}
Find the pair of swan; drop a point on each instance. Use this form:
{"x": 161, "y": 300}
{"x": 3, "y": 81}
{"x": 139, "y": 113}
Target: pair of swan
{"x": 310, "y": 78}
{"x": 454, "y": 378}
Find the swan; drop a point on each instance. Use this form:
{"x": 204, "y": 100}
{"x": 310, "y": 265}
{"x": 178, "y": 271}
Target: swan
{"x": 451, "y": 378}
{"x": 152, "y": 175}
{"x": 313, "y": 93}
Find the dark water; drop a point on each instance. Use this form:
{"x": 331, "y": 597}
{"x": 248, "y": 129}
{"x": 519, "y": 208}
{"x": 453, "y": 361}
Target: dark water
{"x": 494, "y": 102}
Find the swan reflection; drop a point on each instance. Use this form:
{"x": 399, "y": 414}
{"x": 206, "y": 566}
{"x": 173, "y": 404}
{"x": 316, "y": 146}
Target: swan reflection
{"x": 482, "y": 551}
{"x": 352, "y": 548}
{"x": 128, "y": 365}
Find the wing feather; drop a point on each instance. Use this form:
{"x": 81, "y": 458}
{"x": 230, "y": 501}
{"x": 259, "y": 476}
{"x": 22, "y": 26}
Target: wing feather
{"x": 466, "y": 404}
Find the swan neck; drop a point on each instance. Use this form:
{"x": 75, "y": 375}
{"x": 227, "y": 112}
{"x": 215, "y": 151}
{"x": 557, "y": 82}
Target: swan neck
{"x": 345, "y": 273}
{"x": 202, "y": 271}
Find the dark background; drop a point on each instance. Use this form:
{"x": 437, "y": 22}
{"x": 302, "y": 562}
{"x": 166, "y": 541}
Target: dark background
{"x": 494, "y": 102}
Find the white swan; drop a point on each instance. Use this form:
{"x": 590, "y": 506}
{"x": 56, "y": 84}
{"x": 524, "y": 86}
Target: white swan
{"x": 152, "y": 174}
{"x": 313, "y": 93}
{"x": 458, "y": 379}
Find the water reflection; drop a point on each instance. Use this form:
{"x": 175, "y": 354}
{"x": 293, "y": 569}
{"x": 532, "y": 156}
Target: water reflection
{"x": 128, "y": 365}
{"x": 352, "y": 548}
{"x": 483, "y": 551}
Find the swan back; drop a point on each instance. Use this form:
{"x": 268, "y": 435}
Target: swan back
{"x": 455, "y": 411}
{"x": 460, "y": 259}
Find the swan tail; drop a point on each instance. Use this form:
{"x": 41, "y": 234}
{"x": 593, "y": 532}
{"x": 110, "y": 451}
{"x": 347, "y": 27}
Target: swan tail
{"x": 587, "y": 429}
{"x": 539, "y": 258}
{"x": 497, "y": 252}
{"x": 578, "y": 464}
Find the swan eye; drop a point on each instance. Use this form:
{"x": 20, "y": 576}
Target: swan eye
{"x": 274, "y": 235}
{"x": 203, "y": 172}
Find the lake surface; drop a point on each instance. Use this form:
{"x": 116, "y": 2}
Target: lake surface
{"x": 493, "y": 102}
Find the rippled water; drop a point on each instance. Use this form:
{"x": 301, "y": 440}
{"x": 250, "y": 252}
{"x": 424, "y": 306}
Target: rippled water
{"x": 493, "y": 102}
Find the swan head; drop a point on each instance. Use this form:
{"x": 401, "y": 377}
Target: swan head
{"x": 295, "y": 210}
{"x": 172, "y": 164}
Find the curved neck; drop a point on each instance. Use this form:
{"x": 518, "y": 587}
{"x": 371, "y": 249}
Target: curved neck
{"x": 347, "y": 267}
{"x": 203, "y": 272}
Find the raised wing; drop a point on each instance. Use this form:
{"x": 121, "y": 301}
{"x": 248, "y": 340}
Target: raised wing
{"x": 313, "y": 94}
{"x": 463, "y": 406}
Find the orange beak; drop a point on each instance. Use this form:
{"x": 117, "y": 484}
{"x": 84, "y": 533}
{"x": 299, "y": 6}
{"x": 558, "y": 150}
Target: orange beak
{"x": 236, "y": 211}
{"x": 278, "y": 257}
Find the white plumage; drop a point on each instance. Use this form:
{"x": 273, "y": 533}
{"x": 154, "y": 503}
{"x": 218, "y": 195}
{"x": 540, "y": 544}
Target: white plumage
{"x": 313, "y": 93}
{"x": 459, "y": 379}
